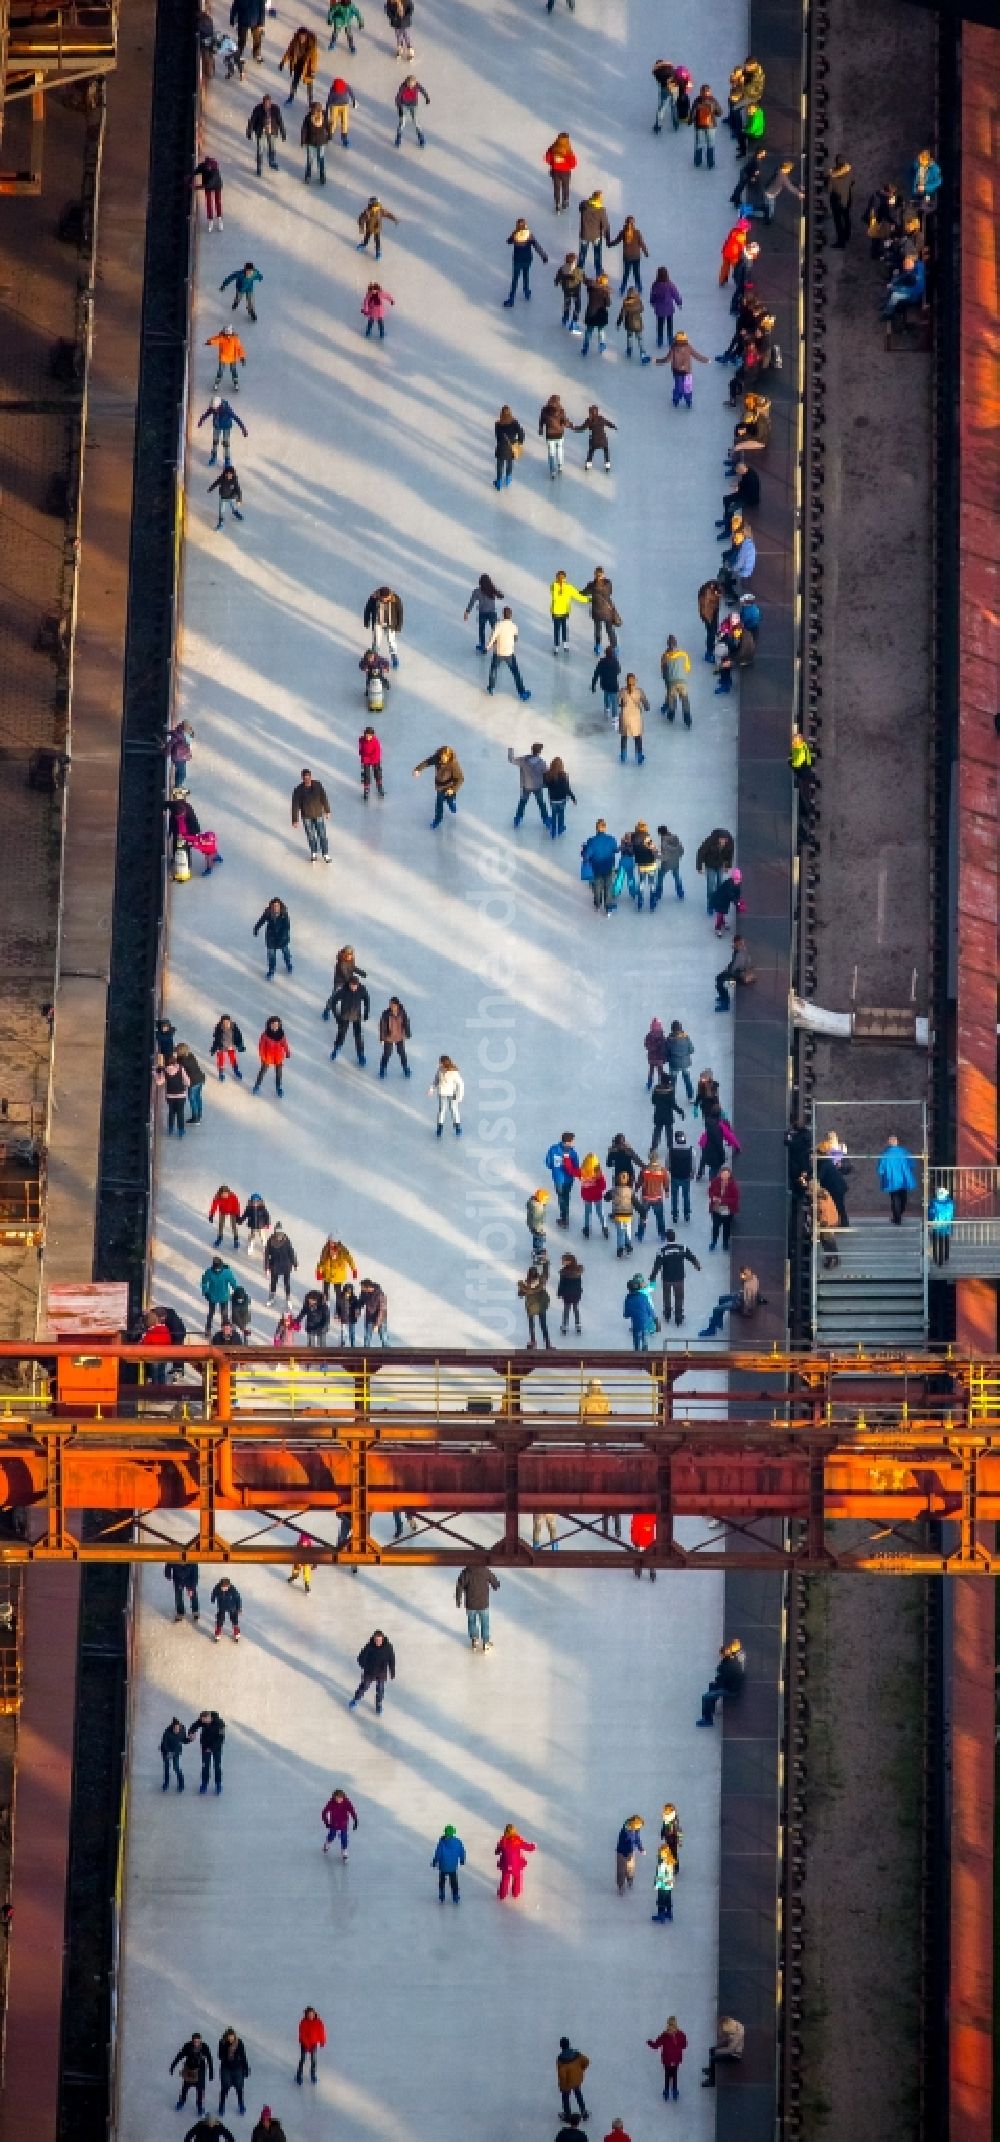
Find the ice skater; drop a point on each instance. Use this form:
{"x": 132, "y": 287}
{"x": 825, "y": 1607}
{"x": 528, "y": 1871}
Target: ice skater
{"x": 679, "y": 357}
{"x": 173, "y": 1741}
{"x": 523, "y": 242}
{"x": 210, "y": 1729}
{"x": 571, "y": 2067}
{"x": 663, "y": 1884}
{"x": 195, "y": 2063}
{"x": 377, "y": 1661}
{"x": 670, "y": 2045}
{"x": 448, "y": 779}
{"x": 370, "y": 222}
{"x": 533, "y": 770}
{"x": 383, "y": 618}
{"x": 184, "y": 1578}
{"x": 223, "y": 417}
{"x": 227, "y": 1044}
{"x": 234, "y": 2068}
{"x": 228, "y": 1607}
{"x": 227, "y": 483}
{"x": 407, "y": 102}
{"x": 351, "y": 1007}
{"x": 472, "y": 1591}
{"x": 245, "y": 280}
{"x": 449, "y": 1086}
{"x": 629, "y": 1844}
{"x": 449, "y": 1856}
{"x": 500, "y": 648}
{"x": 225, "y": 1206}
{"x": 671, "y": 1833}
{"x": 509, "y": 1854}
{"x": 209, "y": 177}
{"x": 312, "y": 2036}
{"x": 373, "y": 307}
{"x": 230, "y": 352}
{"x": 597, "y": 426}
{"x": 256, "y": 1218}
{"x": 266, "y": 125}
{"x": 338, "y": 1814}
{"x": 280, "y": 1261}
{"x": 274, "y": 1052}
{"x": 370, "y": 755}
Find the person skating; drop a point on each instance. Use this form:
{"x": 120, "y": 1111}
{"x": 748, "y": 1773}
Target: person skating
{"x": 500, "y": 647}
{"x": 593, "y": 1187}
{"x": 633, "y": 247}
{"x": 723, "y": 1205}
{"x": 304, "y": 1568}
{"x": 655, "y": 1045}
{"x": 351, "y": 1007}
{"x": 223, "y": 417}
{"x": 603, "y": 614}
{"x": 897, "y": 1177}
{"x": 449, "y": 1856}
{"x": 372, "y": 1300}
{"x": 621, "y": 1157}
{"x": 227, "y": 1043}
{"x": 347, "y": 1307}
{"x": 394, "y": 1033}
{"x": 314, "y": 134}
{"x": 569, "y": 279}
{"x": 225, "y": 1206}
{"x": 273, "y": 1051}
{"x": 670, "y": 2045}
{"x": 407, "y": 99}
{"x": 175, "y": 1083}
{"x": 670, "y": 1831}
{"x": 247, "y": 18}
{"x": 228, "y": 1607}
{"x": 739, "y": 971}
{"x": 561, "y": 160}
{"x": 508, "y": 441}
{"x": 383, "y": 618}
{"x": 265, "y": 126}
{"x": 675, "y": 669}
{"x": 276, "y": 924}
{"x": 534, "y": 1293}
{"x": 597, "y": 426}
{"x": 653, "y": 1185}
{"x": 334, "y": 1265}
{"x": 338, "y": 1814}
{"x": 256, "y": 1219}
{"x": 630, "y": 317}
{"x": 671, "y": 853}
{"x": 173, "y": 1741}
{"x": 681, "y": 1173}
{"x": 533, "y": 771}
{"x": 553, "y": 424}
{"x": 373, "y": 308}
{"x": 312, "y": 2037}
{"x": 595, "y": 230}
{"x": 665, "y": 299}
{"x": 679, "y": 357}
{"x": 377, "y": 1661}
{"x": 344, "y": 15}
{"x": 562, "y": 593}
{"x": 706, "y": 111}
{"x": 673, "y": 94}
{"x": 448, "y": 779}
{"x": 509, "y": 1854}
{"x": 628, "y": 1846}
{"x": 668, "y": 1267}
{"x": 245, "y": 281}
{"x": 372, "y": 217}
{"x": 472, "y": 1591}
{"x": 314, "y": 1318}
{"x": 234, "y": 2068}
{"x": 632, "y": 706}
{"x": 210, "y": 1729}
{"x": 665, "y": 1107}
{"x": 535, "y": 1217}
{"x": 280, "y": 1261}
{"x": 607, "y": 674}
{"x": 663, "y": 1884}
{"x": 311, "y": 804}
{"x": 622, "y": 1202}
{"x": 400, "y": 14}
{"x": 840, "y": 195}
{"x": 227, "y": 483}
{"x": 217, "y": 1283}
{"x": 598, "y": 858}
{"x": 639, "y": 1312}
{"x": 184, "y": 1578}
{"x": 340, "y": 103}
{"x": 571, "y": 2067}
{"x": 195, "y": 2063}
{"x": 569, "y": 1290}
{"x": 559, "y": 792}
{"x": 483, "y": 599}
{"x": 595, "y": 319}
{"x": 268, "y": 2129}
{"x": 523, "y": 243}
{"x": 208, "y": 177}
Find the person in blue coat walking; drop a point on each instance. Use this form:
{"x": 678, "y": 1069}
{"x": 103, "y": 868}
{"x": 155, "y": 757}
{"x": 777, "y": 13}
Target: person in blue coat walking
{"x": 639, "y": 1311}
{"x": 563, "y": 1163}
{"x": 449, "y": 1856}
{"x": 598, "y": 858}
{"x": 897, "y": 1177}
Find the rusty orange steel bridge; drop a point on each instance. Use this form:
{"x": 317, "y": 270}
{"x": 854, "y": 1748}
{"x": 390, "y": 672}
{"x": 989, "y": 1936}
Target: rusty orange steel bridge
{"x": 770, "y": 1451}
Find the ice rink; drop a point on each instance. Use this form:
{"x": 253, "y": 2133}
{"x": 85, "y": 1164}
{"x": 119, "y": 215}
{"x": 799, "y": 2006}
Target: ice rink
{"x": 368, "y": 463}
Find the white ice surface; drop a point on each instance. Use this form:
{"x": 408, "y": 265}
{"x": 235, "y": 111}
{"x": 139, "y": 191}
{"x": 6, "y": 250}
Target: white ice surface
{"x": 368, "y": 463}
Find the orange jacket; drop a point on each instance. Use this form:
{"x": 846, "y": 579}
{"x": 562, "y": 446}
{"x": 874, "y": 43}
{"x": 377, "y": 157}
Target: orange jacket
{"x": 229, "y": 346}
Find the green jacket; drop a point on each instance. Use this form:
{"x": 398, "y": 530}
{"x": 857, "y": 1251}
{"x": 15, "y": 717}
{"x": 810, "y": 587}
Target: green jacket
{"x": 343, "y": 13}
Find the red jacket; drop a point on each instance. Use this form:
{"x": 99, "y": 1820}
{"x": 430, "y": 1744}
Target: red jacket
{"x": 670, "y": 2045}
{"x": 565, "y": 162}
{"x": 369, "y": 751}
{"x": 271, "y": 1050}
{"x": 510, "y": 1852}
{"x": 593, "y": 1187}
{"x": 312, "y": 2033}
{"x": 338, "y": 1813}
{"x": 227, "y": 1207}
{"x": 733, "y": 245}
{"x": 157, "y": 1335}
{"x": 727, "y": 1194}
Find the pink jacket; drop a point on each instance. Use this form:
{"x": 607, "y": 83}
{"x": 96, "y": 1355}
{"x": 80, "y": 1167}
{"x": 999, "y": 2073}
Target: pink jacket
{"x": 374, "y": 307}
{"x": 510, "y": 1853}
{"x": 369, "y": 751}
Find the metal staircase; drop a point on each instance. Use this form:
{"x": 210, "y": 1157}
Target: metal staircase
{"x": 876, "y": 1292}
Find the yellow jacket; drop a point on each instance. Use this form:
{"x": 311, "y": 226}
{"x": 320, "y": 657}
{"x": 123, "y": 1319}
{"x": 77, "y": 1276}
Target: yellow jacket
{"x": 561, "y": 594}
{"x": 595, "y": 1405}
{"x": 333, "y": 1267}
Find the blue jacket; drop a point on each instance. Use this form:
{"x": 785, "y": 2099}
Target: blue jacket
{"x": 223, "y": 418}
{"x": 554, "y": 1161}
{"x": 600, "y": 851}
{"x": 629, "y": 1841}
{"x": 449, "y": 1855}
{"x": 895, "y": 1169}
{"x": 218, "y": 1286}
{"x": 941, "y": 1212}
{"x": 932, "y": 180}
{"x": 639, "y": 1311}
{"x": 242, "y": 279}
